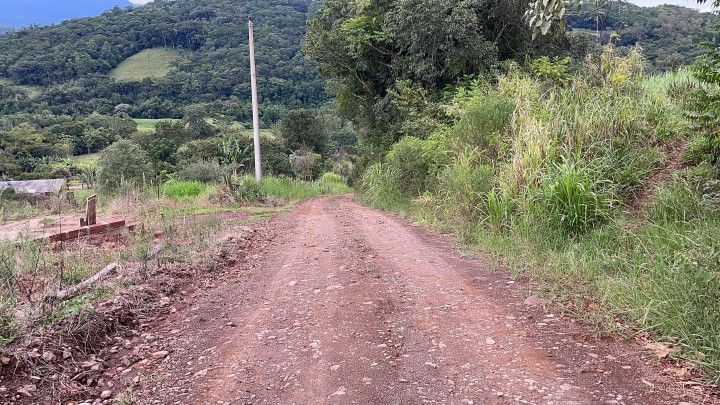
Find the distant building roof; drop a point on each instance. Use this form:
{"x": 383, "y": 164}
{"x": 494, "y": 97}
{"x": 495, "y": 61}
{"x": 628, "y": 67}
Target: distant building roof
{"x": 34, "y": 186}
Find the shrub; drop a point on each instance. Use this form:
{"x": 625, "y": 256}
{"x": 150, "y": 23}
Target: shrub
{"x": 411, "y": 166}
{"x": 378, "y": 186}
{"x": 343, "y": 167}
{"x": 483, "y": 123}
{"x": 238, "y": 150}
{"x": 123, "y": 161}
{"x": 248, "y": 190}
{"x": 305, "y": 164}
{"x": 200, "y": 150}
{"x": 573, "y": 200}
{"x": 332, "y": 183}
{"x": 462, "y": 188}
{"x": 204, "y": 171}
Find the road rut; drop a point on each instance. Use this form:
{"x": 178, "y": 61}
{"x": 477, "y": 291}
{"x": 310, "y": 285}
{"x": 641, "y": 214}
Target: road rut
{"x": 355, "y": 306}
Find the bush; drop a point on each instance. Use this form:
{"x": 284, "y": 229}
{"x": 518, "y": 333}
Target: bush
{"x": 204, "y": 171}
{"x": 378, "y": 186}
{"x": 332, "y": 183}
{"x": 573, "y": 200}
{"x": 238, "y": 150}
{"x": 411, "y": 166}
{"x": 200, "y": 150}
{"x": 183, "y": 189}
{"x": 483, "y": 123}
{"x": 122, "y": 162}
{"x": 462, "y": 188}
{"x": 248, "y": 190}
{"x": 305, "y": 164}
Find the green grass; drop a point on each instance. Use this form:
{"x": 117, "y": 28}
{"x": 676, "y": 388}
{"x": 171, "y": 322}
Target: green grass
{"x": 292, "y": 189}
{"x": 32, "y": 91}
{"x": 88, "y": 160}
{"x": 153, "y": 63}
{"x": 148, "y": 124}
{"x": 179, "y": 190}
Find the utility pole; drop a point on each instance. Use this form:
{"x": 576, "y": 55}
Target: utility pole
{"x": 256, "y": 114}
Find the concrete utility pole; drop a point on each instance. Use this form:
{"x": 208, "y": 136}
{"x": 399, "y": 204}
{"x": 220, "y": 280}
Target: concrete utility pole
{"x": 256, "y": 114}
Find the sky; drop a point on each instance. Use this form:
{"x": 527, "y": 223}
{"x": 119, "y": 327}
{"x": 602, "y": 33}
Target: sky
{"x": 684, "y": 3}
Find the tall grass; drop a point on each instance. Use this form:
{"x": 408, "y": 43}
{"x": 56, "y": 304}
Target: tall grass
{"x": 177, "y": 189}
{"x": 549, "y": 188}
{"x": 293, "y": 189}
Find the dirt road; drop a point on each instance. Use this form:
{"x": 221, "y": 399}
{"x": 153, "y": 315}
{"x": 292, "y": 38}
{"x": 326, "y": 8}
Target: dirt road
{"x": 352, "y": 305}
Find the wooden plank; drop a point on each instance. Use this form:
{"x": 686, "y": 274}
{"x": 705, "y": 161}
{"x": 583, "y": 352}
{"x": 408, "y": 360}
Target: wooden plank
{"x": 91, "y": 211}
{"x": 85, "y": 231}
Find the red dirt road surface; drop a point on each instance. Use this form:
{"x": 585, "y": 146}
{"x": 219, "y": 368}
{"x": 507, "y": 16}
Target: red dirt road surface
{"x": 350, "y": 305}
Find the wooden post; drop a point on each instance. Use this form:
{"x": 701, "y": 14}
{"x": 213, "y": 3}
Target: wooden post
{"x": 91, "y": 211}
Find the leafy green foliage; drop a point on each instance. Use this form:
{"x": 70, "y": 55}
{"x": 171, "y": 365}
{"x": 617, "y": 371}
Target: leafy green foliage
{"x": 302, "y": 129}
{"x": 627, "y": 25}
{"x": 547, "y": 187}
{"x": 305, "y": 165}
{"x": 203, "y": 171}
{"x": 573, "y": 200}
{"x": 77, "y": 75}
{"x": 387, "y": 62}
{"x": 412, "y": 166}
{"x": 123, "y": 162}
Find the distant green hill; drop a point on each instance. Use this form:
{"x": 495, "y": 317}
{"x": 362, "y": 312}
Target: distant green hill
{"x": 98, "y": 63}
{"x": 153, "y": 63}
{"x": 669, "y": 35}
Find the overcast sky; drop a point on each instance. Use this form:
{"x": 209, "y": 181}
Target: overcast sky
{"x": 685, "y": 3}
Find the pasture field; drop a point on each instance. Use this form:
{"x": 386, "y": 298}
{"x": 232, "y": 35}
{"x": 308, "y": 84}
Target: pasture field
{"x": 153, "y": 64}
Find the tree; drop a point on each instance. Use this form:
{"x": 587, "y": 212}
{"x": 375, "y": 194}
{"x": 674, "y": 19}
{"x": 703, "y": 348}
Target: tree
{"x": 543, "y": 14}
{"x": 369, "y": 52}
{"x": 122, "y": 162}
{"x": 302, "y": 129}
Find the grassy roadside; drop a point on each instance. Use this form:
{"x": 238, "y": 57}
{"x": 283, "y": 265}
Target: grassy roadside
{"x": 574, "y": 183}
{"x": 188, "y": 216}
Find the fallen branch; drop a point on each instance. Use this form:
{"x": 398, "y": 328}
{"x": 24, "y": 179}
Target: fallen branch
{"x": 74, "y": 290}
{"x": 77, "y": 288}
{"x": 154, "y": 251}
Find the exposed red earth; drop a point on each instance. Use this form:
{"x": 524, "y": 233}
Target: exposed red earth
{"x": 347, "y": 304}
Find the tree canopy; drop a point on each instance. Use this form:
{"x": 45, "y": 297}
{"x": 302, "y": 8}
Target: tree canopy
{"x": 69, "y": 63}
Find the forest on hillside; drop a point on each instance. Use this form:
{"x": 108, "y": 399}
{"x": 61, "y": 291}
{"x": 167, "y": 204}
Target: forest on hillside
{"x": 68, "y": 64}
{"x": 669, "y": 35}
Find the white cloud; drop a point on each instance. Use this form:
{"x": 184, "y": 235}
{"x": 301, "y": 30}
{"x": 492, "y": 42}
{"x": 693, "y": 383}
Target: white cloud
{"x": 140, "y": 1}
{"x": 684, "y": 3}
